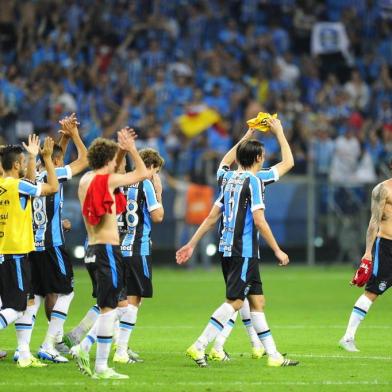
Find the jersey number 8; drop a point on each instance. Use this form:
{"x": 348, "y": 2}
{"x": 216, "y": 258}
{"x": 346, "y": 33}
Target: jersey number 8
{"x": 131, "y": 215}
{"x": 39, "y": 213}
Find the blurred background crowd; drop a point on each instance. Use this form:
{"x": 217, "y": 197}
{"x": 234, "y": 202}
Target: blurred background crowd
{"x": 187, "y": 74}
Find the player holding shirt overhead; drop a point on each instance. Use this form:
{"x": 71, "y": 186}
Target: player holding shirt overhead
{"x": 52, "y": 273}
{"x": 267, "y": 176}
{"x": 97, "y": 194}
{"x": 375, "y": 271}
{"x": 17, "y": 239}
{"x": 144, "y": 206}
{"x": 242, "y": 204}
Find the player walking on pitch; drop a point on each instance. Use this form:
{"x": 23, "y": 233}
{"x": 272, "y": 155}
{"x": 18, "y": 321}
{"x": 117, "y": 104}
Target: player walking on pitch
{"x": 241, "y": 202}
{"x": 375, "y": 271}
{"x": 100, "y": 205}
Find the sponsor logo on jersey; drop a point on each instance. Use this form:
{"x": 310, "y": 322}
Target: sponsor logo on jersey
{"x": 90, "y": 259}
{"x": 2, "y": 191}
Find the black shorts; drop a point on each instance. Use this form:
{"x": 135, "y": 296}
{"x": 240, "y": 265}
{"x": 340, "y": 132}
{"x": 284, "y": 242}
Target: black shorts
{"x": 51, "y": 271}
{"x": 242, "y": 277}
{"x": 138, "y": 276}
{"x": 92, "y": 271}
{"x": 109, "y": 273}
{"x": 15, "y": 282}
{"x": 381, "y": 279}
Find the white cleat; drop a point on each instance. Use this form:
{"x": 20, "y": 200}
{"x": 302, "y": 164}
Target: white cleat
{"x": 348, "y": 345}
{"x": 51, "y": 355}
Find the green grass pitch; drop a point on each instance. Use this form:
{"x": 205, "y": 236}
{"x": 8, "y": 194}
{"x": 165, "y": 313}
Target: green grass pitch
{"x": 307, "y": 310}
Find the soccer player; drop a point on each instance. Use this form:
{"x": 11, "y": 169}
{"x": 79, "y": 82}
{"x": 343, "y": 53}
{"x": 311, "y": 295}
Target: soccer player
{"x": 97, "y": 194}
{"x": 144, "y": 205}
{"x": 17, "y": 239}
{"x": 242, "y": 204}
{"x": 379, "y": 231}
{"x": 52, "y": 273}
{"x": 268, "y": 176}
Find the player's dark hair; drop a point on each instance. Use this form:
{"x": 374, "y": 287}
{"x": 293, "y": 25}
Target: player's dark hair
{"x": 10, "y": 155}
{"x": 151, "y": 158}
{"x": 248, "y": 151}
{"x": 57, "y": 153}
{"x": 101, "y": 152}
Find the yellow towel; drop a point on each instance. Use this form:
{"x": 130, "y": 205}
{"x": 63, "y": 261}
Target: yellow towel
{"x": 260, "y": 122}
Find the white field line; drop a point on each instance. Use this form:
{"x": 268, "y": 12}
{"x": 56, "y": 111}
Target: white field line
{"x": 202, "y": 383}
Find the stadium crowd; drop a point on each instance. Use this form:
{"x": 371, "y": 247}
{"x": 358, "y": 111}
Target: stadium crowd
{"x": 146, "y": 62}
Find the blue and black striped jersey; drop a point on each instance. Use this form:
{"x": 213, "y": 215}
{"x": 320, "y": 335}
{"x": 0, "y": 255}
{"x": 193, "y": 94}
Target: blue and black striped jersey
{"x": 47, "y": 212}
{"x": 241, "y": 194}
{"x": 135, "y": 223}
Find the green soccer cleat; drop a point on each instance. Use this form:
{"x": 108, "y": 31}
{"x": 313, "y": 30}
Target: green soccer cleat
{"x": 30, "y": 362}
{"x": 258, "y": 352}
{"x": 109, "y": 374}
{"x": 71, "y": 340}
{"x": 123, "y": 358}
{"x": 281, "y": 361}
{"x": 197, "y": 355}
{"x": 82, "y": 359}
{"x": 219, "y": 356}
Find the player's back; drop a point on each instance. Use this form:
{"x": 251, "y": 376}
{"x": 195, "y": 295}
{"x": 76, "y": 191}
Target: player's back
{"x": 105, "y": 232}
{"x": 135, "y": 222}
{"x": 240, "y": 196}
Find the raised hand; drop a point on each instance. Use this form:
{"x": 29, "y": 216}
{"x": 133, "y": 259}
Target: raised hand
{"x": 184, "y": 254}
{"x": 69, "y": 125}
{"x": 249, "y": 134}
{"x": 275, "y": 125}
{"x": 126, "y": 139}
{"x": 47, "y": 149}
{"x": 156, "y": 181}
{"x": 32, "y": 146}
{"x": 282, "y": 257}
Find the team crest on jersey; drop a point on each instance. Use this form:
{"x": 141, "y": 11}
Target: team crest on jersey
{"x": 2, "y": 191}
{"x": 382, "y": 286}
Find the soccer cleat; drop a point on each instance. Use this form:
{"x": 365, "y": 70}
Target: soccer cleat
{"x": 3, "y": 354}
{"x": 109, "y": 374}
{"x": 134, "y": 356}
{"x": 82, "y": 359}
{"x": 258, "y": 352}
{"x": 219, "y": 356}
{"x": 123, "y": 358}
{"x": 281, "y": 361}
{"x": 62, "y": 348}
{"x": 348, "y": 345}
{"x": 30, "y": 362}
{"x": 197, "y": 355}
{"x": 51, "y": 355}
{"x": 71, "y": 339}
{"x": 16, "y": 355}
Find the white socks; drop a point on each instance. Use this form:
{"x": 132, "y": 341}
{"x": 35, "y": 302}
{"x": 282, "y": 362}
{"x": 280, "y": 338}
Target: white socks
{"x": 57, "y": 319}
{"x": 8, "y": 316}
{"x": 360, "y": 309}
{"x": 90, "y": 338}
{"x": 105, "y": 327}
{"x": 127, "y": 324}
{"x": 87, "y": 322}
{"x": 263, "y": 332}
{"x": 24, "y": 328}
{"x": 216, "y": 324}
{"x": 246, "y": 320}
{"x": 222, "y": 336}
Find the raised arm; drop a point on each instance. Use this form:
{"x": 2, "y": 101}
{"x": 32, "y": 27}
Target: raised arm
{"x": 32, "y": 148}
{"x": 185, "y": 253}
{"x": 52, "y": 184}
{"x": 229, "y": 158}
{"x": 126, "y": 141}
{"x": 287, "y": 162}
{"x": 379, "y": 198}
{"x": 70, "y": 129}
